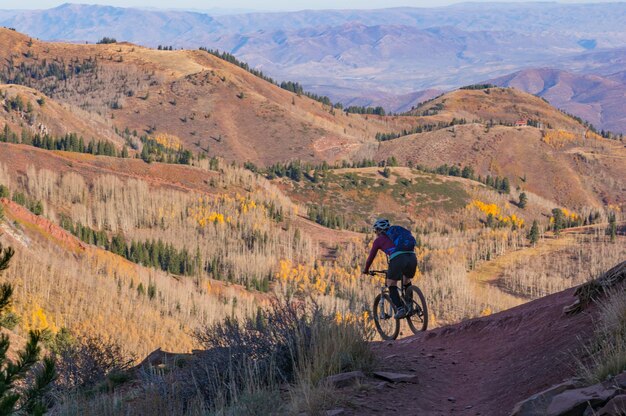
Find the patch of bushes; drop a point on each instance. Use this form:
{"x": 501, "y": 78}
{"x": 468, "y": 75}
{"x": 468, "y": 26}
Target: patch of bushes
{"x": 274, "y": 362}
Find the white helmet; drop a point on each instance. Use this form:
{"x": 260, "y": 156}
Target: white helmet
{"x": 381, "y": 224}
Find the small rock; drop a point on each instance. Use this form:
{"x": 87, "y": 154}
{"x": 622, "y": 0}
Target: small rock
{"x": 381, "y": 385}
{"x": 335, "y": 412}
{"x": 620, "y": 381}
{"x": 468, "y": 407}
{"x": 396, "y": 377}
{"x": 345, "y": 379}
{"x": 537, "y": 404}
{"x": 431, "y": 355}
{"x": 615, "y": 407}
{"x": 451, "y": 399}
{"x": 574, "y": 402}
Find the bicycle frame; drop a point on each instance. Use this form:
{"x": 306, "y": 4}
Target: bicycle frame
{"x": 385, "y": 290}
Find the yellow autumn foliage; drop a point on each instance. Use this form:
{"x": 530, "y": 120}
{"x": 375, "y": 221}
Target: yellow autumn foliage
{"x": 169, "y": 141}
{"x": 558, "y": 138}
{"x": 591, "y": 135}
{"x": 495, "y": 211}
{"x": 487, "y": 209}
{"x": 37, "y": 320}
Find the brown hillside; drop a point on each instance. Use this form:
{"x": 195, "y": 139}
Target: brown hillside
{"x": 575, "y": 175}
{"x": 203, "y": 101}
{"x": 500, "y": 105}
{"x": 43, "y": 115}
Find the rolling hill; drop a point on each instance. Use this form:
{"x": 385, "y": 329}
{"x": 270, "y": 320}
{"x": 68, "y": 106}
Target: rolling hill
{"x": 597, "y": 99}
{"x": 196, "y": 99}
{"x": 561, "y": 160}
{"x": 213, "y": 108}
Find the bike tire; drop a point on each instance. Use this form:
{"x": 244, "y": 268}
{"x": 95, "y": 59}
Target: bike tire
{"x": 391, "y": 325}
{"x": 416, "y": 322}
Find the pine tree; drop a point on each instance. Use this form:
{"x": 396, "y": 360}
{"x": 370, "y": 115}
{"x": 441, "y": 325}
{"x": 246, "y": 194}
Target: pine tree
{"x": 22, "y": 382}
{"x": 504, "y": 186}
{"x": 523, "y": 200}
{"x": 533, "y": 236}
{"x": 612, "y": 229}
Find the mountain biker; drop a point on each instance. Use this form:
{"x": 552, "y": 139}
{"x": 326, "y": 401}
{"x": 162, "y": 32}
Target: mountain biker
{"x": 402, "y": 264}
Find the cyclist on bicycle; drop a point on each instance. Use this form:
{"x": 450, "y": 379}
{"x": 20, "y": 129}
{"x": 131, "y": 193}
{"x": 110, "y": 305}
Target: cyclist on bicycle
{"x": 401, "y": 258}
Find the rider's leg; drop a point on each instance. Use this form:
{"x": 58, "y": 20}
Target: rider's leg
{"x": 408, "y": 272}
{"x": 394, "y": 275}
{"x": 408, "y": 294}
{"x": 394, "y": 294}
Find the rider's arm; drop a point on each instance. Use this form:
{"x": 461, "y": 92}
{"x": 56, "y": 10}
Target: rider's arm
{"x": 372, "y": 256}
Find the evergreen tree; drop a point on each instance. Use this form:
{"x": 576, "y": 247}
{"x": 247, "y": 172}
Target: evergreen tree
{"x": 558, "y": 219}
{"x": 505, "y": 186}
{"x": 612, "y": 229}
{"x": 533, "y": 235}
{"x": 22, "y": 383}
{"x": 523, "y": 200}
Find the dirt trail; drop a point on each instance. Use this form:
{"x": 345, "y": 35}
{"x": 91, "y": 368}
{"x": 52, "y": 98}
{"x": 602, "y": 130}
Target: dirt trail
{"x": 482, "y": 366}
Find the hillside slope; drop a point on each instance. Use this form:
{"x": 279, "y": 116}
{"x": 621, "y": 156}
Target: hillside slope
{"x": 560, "y": 159}
{"x": 597, "y": 99}
{"x": 481, "y": 366}
{"x": 192, "y": 97}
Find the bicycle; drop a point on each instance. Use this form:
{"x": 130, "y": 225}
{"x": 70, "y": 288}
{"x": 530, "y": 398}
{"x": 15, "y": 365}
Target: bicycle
{"x": 384, "y": 311}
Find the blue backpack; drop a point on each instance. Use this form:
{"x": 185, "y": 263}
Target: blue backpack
{"x": 402, "y": 239}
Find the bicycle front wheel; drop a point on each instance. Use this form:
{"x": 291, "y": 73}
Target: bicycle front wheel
{"x": 384, "y": 310}
{"x": 418, "y": 318}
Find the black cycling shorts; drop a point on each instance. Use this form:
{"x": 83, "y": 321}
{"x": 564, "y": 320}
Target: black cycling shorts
{"x": 402, "y": 265}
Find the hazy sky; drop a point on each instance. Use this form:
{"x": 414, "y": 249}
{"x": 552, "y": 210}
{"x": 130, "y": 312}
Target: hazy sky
{"x": 248, "y": 4}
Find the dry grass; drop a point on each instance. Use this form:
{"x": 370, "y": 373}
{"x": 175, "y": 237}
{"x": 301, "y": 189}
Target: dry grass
{"x": 281, "y": 373}
{"x": 606, "y": 354}
{"x": 561, "y": 266}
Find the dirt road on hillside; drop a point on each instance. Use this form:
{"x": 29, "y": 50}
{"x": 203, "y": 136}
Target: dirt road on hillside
{"x": 482, "y": 366}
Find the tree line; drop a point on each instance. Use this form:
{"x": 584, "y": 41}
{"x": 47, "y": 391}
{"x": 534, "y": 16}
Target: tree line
{"x": 155, "y": 254}
{"x": 25, "y": 72}
{"x": 422, "y": 128}
{"x": 70, "y": 142}
{"x": 33, "y": 205}
{"x": 152, "y": 151}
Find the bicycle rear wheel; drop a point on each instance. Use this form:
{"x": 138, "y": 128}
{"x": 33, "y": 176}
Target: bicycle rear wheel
{"x": 384, "y": 310}
{"x": 418, "y": 318}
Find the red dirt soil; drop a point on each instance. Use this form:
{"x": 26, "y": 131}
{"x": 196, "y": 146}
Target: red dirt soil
{"x": 482, "y": 366}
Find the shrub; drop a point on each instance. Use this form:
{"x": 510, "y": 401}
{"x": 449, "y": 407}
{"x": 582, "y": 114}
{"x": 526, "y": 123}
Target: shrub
{"x": 88, "y": 361}
{"x": 106, "y": 40}
{"x": 287, "y": 342}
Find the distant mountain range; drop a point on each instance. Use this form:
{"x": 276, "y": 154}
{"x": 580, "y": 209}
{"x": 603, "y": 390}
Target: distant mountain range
{"x": 386, "y": 57}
